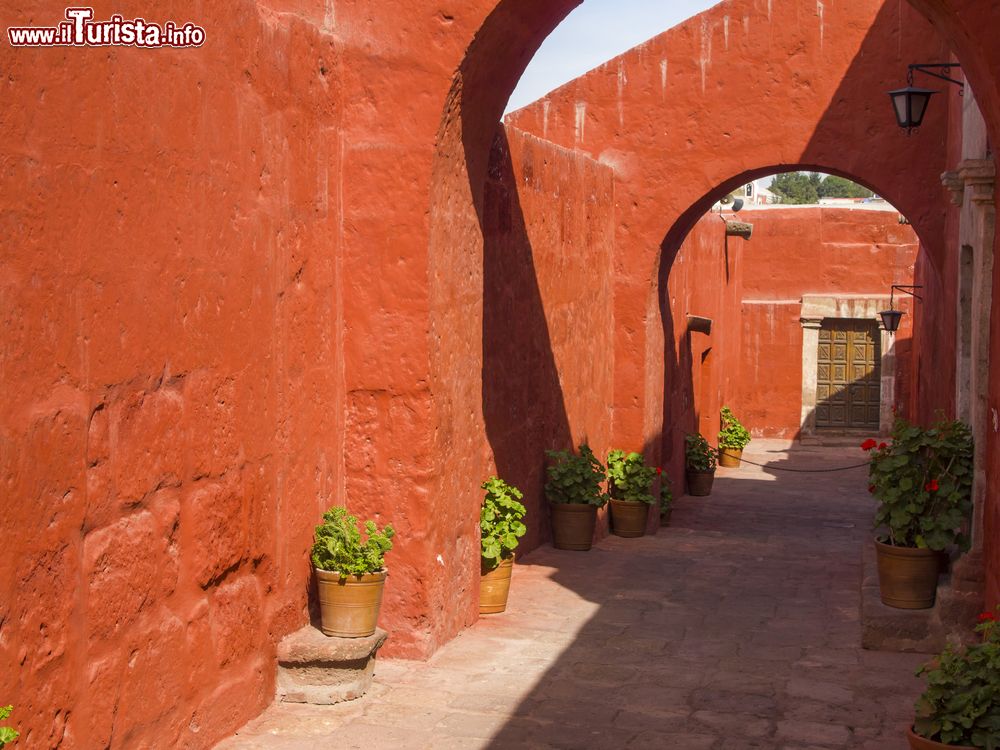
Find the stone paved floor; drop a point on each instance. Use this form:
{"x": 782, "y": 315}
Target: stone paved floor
{"x": 736, "y": 627}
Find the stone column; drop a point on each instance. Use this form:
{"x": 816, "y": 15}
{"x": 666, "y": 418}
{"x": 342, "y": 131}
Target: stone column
{"x": 810, "y": 361}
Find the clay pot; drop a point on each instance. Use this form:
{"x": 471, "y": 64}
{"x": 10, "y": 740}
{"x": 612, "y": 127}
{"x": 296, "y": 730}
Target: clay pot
{"x": 573, "y": 525}
{"x": 700, "y": 482}
{"x": 922, "y": 743}
{"x": 349, "y": 606}
{"x": 907, "y": 577}
{"x": 628, "y": 518}
{"x": 494, "y": 587}
{"x": 730, "y": 457}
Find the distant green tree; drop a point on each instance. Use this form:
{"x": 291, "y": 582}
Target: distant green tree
{"x": 839, "y": 187}
{"x": 796, "y": 188}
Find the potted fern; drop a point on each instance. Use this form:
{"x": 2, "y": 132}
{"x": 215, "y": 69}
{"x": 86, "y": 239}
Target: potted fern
{"x": 500, "y": 529}
{"x": 733, "y": 438}
{"x": 630, "y": 484}
{"x": 960, "y": 709}
{"x": 699, "y": 465}
{"x": 574, "y": 493}
{"x": 350, "y": 573}
{"x": 922, "y": 481}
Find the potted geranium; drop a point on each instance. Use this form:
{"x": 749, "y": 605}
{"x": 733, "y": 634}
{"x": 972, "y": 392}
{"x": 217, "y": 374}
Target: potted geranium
{"x": 699, "y": 462}
{"x": 733, "y": 438}
{"x": 630, "y": 484}
{"x": 574, "y": 493}
{"x": 7, "y": 734}
{"x": 666, "y": 497}
{"x": 350, "y": 573}
{"x": 922, "y": 480}
{"x": 961, "y": 706}
{"x": 500, "y": 528}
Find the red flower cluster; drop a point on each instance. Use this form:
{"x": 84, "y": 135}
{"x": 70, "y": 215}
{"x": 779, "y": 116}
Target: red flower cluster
{"x": 871, "y": 488}
{"x": 987, "y": 617}
{"x": 932, "y": 486}
{"x": 869, "y": 444}
{"x": 882, "y": 446}
{"x": 659, "y": 470}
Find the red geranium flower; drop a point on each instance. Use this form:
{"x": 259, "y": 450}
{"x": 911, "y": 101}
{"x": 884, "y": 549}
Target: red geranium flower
{"x": 932, "y": 486}
{"x": 869, "y": 444}
{"x": 659, "y": 470}
{"x": 987, "y": 617}
{"x": 882, "y": 446}
{"x": 871, "y": 488}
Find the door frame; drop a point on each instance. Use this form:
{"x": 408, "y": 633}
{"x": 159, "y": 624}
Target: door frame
{"x": 816, "y": 309}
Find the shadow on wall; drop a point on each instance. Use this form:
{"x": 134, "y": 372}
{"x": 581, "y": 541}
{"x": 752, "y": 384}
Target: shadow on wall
{"x": 523, "y": 403}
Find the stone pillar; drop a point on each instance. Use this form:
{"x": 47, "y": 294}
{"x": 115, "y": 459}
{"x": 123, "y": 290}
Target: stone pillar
{"x": 810, "y": 362}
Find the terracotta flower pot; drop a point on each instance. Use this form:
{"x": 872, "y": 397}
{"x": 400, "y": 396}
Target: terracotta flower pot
{"x": 730, "y": 457}
{"x": 628, "y": 518}
{"x": 922, "y": 743}
{"x": 349, "y": 606}
{"x": 699, "y": 482}
{"x": 907, "y": 577}
{"x": 573, "y": 525}
{"x": 494, "y": 588}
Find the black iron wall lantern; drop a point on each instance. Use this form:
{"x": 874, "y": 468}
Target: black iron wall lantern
{"x": 892, "y": 317}
{"x": 910, "y": 104}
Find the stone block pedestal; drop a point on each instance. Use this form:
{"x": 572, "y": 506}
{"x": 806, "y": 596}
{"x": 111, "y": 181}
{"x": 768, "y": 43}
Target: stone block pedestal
{"x": 314, "y": 668}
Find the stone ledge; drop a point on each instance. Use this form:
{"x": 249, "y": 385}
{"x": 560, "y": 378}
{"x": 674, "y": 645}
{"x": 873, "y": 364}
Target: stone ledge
{"x": 922, "y": 631}
{"x": 317, "y": 669}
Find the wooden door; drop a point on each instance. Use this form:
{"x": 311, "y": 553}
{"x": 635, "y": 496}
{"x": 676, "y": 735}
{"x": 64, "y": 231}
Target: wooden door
{"x": 848, "y": 387}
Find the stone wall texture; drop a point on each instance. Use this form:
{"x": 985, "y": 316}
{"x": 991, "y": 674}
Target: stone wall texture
{"x": 244, "y": 282}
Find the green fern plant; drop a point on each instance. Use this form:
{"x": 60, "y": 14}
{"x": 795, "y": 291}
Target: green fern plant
{"x": 338, "y": 547}
{"x": 500, "y": 522}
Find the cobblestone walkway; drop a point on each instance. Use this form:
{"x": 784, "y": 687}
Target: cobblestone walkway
{"x": 736, "y": 627}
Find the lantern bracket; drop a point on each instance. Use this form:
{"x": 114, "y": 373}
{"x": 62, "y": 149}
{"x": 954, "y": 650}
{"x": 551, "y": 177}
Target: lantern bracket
{"x": 931, "y": 68}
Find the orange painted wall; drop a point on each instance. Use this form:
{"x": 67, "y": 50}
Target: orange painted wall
{"x": 244, "y": 282}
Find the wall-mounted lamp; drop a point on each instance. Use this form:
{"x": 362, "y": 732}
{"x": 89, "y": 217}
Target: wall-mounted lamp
{"x": 910, "y": 104}
{"x": 737, "y": 228}
{"x": 892, "y": 316}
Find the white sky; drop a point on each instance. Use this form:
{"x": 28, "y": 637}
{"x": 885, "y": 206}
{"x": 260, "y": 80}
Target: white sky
{"x": 594, "y": 33}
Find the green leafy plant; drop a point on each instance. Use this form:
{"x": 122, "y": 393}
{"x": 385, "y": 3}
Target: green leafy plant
{"x": 500, "y": 521}
{"x": 7, "y": 734}
{"x": 629, "y": 478}
{"x": 338, "y": 547}
{"x": 923, "y": 483}
{"x": 961, "y": 705}
{"x": 575, "y": 479}
{"x": 733, "y": 435}
{"x": 666, "y": 493}
{"x": 698, "y": 454}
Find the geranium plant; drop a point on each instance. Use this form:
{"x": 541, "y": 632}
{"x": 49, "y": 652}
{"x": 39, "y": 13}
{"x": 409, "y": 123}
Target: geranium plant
{"x": 923, "y": 483}
{"x": 500, "y": 521}
{"x": 961, "y": 705}
{"x": 733, "y": 435}
{"x": 629, "y": 478}
{"x": 7, "y": 734}
{"x": 338, "y": 547}
{"x": 576, "y": 478}
{"x": 666, "y": 492}
{"x": 698, "y": 454}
